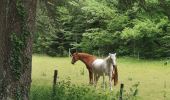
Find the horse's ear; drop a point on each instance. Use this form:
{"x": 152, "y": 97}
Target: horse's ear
{"x": 72, "y": 51}
{"x": 71, "y": 55}
{"x": 115, "y": 54}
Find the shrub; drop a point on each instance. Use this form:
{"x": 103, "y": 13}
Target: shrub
{"x": 67, "y": 91}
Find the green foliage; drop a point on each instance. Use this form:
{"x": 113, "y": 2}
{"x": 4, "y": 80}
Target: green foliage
{"x": 15, "y": 60}
{"x": 44, "y": 33}
{"x": 129, "y": 27}
{"x": 18, "y": 45}
{"x": 132, "y": 93}
{"x": 118, "y": 23}
{"x": 18, "y": 42}
{"x": 98, "y": 39}
{"x": 67, "y": 91}
{"x": 146, "y": 35}
{"x": 96, "y": 9}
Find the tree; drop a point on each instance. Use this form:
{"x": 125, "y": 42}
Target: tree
{"x": 17, "y": 20}
{"x": 128, "y": 27}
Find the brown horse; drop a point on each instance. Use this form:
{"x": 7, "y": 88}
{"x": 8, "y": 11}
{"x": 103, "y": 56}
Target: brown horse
{"x": 88, "y": 59}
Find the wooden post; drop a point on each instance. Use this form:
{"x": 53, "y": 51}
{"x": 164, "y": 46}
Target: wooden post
{"x": 55, "y": 81}
{"x": 55, "y": 77}
{"x": 121, "y": 91}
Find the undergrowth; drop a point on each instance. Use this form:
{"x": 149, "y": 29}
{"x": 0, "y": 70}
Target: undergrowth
{"x": 67, "y": 91}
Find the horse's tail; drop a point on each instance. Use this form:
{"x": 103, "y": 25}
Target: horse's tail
{"x": 115, "y": 75}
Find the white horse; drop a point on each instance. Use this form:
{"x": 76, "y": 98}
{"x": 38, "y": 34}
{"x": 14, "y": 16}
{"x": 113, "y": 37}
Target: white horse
{"x": 102, "y": 67}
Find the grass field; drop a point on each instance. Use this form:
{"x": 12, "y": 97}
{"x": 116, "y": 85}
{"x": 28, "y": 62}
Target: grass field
{"x": 153, "y": 76}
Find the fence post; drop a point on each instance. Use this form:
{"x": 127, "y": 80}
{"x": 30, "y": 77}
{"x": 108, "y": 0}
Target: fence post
{"x": 55, "y": 81}
{"x": 121, "y": 91}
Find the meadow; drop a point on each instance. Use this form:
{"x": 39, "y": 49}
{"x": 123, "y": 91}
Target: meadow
{"x": 152, "y": 76}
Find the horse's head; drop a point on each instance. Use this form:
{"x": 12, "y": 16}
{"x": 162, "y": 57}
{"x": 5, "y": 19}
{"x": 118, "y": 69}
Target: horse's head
{"x": 115, "y": 72}
{"x": 113, "y": 57}
{"x": 75, "y": 57}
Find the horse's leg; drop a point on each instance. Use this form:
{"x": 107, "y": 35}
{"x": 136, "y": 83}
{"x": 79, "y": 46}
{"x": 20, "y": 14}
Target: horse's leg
{"x": 110, "y": 81}
{"x": 90, "y": 77}
{"x": 104, "y": 81}
{"x": 97, "y": 78}
{"x": 95, "y": 82}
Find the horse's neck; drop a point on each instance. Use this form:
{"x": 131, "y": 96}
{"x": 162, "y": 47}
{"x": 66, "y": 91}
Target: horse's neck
{"x": 108, "y": 61}
{"x": 87, "y": 59}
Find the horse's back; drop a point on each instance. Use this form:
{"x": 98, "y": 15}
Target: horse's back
{"x": 100, "y": 66}
{"x": 98, "y": 62}
{"x": 97, "y": 66}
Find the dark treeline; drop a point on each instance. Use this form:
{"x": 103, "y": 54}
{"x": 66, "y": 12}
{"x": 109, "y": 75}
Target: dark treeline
{"x": 128, "y": 27}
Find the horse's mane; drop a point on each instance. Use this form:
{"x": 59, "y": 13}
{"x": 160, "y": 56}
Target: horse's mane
{"x": 106, "y": 58}
{"x": 85, "y": 55}
{"x": 86, "y": 58}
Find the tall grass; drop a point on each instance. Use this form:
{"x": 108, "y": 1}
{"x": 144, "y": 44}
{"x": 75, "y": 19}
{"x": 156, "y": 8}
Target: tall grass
{"x": 64, "y": 90}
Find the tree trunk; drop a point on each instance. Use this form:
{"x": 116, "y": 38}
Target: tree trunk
{"x": 16, "y": 48}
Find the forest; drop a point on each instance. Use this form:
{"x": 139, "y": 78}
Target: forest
{"x": 128, "y": 27}
{"x": 37, "y": 37}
